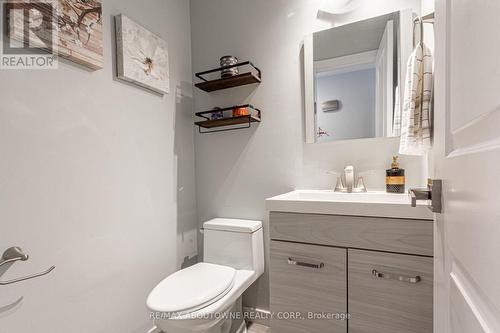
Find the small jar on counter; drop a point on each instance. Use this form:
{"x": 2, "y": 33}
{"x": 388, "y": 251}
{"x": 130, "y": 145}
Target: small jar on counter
{"x": 395, "y": 178}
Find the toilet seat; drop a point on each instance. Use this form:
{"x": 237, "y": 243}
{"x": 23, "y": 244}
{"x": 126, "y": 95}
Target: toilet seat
{"x": 192, "y": 288}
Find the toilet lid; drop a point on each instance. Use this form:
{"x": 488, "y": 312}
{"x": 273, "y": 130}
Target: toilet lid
{"x": 192, "y": 288}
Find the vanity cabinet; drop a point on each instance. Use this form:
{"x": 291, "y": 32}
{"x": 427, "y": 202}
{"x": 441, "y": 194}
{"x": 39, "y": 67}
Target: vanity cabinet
{"x": 307, "y": 279}
{"x": 377, "y": 270}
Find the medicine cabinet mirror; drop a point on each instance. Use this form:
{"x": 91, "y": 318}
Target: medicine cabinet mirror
{"x": 354, "y": 78}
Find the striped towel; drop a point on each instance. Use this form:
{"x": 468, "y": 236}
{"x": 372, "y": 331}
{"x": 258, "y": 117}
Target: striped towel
{"x": 416, "y": 127}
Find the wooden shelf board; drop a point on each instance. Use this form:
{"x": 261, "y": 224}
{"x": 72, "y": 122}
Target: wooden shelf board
{"x": 228, "y": 82}
{"x": 227, "y": 121}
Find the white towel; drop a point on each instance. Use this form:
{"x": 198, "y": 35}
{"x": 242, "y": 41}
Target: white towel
{"x": 415, "y": 118}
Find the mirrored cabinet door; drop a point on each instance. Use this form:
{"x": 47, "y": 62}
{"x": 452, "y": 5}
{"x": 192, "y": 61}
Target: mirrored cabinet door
{"x": 354, "y": 78}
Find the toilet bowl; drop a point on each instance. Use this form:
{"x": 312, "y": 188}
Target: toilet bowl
{"x": 206, "y": 297}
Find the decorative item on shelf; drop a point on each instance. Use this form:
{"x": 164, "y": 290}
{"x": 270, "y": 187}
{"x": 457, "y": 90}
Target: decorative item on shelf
{"x": 216, "y": 115}
{"x": 236, "y": 78}
{"x": 243, "y": 115}
{"x": 67, "y": 28}
{"x": 240, "y": 111}
{"x": 141, "y": 56}
{"x": 228, "y": 61}
{"x": 395, "y": 177}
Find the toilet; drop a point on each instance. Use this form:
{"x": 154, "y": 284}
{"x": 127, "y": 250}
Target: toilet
{"x": 206, "y": 297}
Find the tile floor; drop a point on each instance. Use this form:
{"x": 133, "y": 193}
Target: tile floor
{"x": 257, "y": 328}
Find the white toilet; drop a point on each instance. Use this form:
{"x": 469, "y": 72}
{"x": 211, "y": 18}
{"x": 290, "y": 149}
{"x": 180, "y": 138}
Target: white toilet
{"x": 206, "y": 297}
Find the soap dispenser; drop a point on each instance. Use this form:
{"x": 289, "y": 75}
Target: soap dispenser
{"x": 395, "y": 178}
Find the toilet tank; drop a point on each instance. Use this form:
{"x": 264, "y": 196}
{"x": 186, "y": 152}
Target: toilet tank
{"x": 235, "y": 243}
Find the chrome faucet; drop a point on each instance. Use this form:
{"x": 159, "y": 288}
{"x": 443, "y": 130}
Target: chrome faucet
{"x": 349, "y": 177}
{"x": 345, "y": 183}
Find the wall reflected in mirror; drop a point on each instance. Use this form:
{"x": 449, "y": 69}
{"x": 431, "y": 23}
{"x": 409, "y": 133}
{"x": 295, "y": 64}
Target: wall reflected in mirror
{"x": 356, "y": 78}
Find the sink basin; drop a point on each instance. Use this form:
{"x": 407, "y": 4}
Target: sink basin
{"x": 318, "y": 195}
{"x": 372, "y": 203}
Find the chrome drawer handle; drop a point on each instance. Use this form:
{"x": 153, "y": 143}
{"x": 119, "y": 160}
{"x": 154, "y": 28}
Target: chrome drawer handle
{"x": 409, "y": 279}
{"x": 292, "y": 261}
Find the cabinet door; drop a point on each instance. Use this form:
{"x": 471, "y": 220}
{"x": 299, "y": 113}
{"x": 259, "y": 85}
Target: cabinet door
{"x": 308, "y": 280}
{"x": 390, "y": 293}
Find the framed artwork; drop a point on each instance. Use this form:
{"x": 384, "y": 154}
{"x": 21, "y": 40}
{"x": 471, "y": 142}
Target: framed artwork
{"x": 71, "y": 29}
{"x": 142, "y": 56}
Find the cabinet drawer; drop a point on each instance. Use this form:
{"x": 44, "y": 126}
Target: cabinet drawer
{"x": 307, "y": 279}
{"x": 395, "y": 301}
{"x": 374, "y": 233}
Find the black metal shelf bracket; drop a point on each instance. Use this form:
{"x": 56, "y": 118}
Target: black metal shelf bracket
{"x": 203, "y": 114}
{"x": 248, "y": 125}
{"x": 200, "y": 74}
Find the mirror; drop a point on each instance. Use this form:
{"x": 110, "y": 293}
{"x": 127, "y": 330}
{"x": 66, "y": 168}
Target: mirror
{"x": 354, "y": 78}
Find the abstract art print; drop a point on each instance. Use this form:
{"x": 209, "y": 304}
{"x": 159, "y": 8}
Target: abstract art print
{"x": 71, "y": 29}
{"x": 142, "y": 56}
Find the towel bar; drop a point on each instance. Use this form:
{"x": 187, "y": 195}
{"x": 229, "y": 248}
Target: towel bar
{"x": 13, "y": 254}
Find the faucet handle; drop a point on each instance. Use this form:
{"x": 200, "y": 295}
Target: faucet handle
{"x": 360, "y": 186}
{"x": 339, "y": 187}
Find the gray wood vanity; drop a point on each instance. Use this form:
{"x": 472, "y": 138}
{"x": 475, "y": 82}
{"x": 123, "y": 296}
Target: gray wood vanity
{"x": 377, "y": 271}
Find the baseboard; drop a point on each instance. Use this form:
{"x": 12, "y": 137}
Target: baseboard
{"x": 256, "y": 315}
{"x": 155, "y": 330}
{"x": 242, "y": 328}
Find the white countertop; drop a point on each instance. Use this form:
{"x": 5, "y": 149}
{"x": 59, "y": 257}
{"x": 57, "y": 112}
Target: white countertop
{"x": 372, "y": 203}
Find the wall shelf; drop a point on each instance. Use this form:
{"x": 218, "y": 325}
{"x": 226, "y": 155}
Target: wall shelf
{"x": 231, "y": 81}
{"x": 227, "y": 123}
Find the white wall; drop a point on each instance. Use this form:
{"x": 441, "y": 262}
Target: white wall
{"x": 366, "y": 33}
{"x": 237, "y": 170}
{"x": 355, "y": 91}
{"x": 427, "y": 7}
{"x": 97, "y": 178}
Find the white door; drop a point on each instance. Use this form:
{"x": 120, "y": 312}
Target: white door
{"x": 385, "y": 82}
{"x": 467, "y": 158}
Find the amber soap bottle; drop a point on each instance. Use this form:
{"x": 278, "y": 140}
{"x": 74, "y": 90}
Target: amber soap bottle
{"x": 395, "y": 178}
